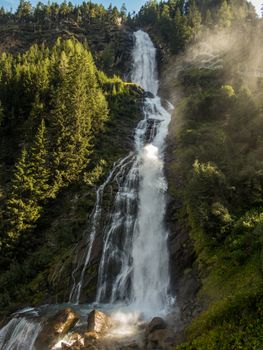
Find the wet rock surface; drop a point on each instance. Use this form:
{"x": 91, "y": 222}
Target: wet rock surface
{"x": 156, "y": 323}
{"x": 184, "y": 280}
{"x": 56, "y": 327}
{"x": 98, "y": 322}
{"x": 131, "y": 346}
{"x": 159, "y": 335}
{"x": 148, "y": 94}
{"x": 99, "y": 331}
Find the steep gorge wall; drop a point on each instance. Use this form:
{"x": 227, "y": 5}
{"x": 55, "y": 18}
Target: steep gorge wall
{"x": 185, "y": 282}
{"x": 215, "y": 88}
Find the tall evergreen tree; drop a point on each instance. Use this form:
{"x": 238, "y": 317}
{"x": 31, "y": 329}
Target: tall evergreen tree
{"x": 21, "y": 207}
{"x": 194, "y": 17}
{"x": 225, "y": 15}
{"x": 24, "y": 10}
{"x": 29, "y": 186}
{"x": 40, "y": 164}
{"x": 79, "y": 112}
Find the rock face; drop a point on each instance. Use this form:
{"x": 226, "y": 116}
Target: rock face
{"x": 158, "y": 336}
{"x": 184, "y": 279}
{"x": 75, "y": 346}
{"x": 155, "y": 324}
{"x": 148, "y": 94}
{"x": 56, "y": 327}
{"x": 98, "y": 322}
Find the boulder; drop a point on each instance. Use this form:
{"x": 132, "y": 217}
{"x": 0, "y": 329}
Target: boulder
{"x": 77, "y": 342}
{"x": 98, "y": 322}
{"x": 158, "y": 335}
{"x": 91, "y": 347}
{"x": 90, "y": 340}
{"x": 155, "y": 324}
{"x": 75, "y": 346}
{"x": 91, "y": 336}
{"x": 91, "y": 343}
{"x": 76, "y": 336}
{"x": 148, "y": 94}
{"x": 56, "y": 327}
{"x": 158, "y": 339}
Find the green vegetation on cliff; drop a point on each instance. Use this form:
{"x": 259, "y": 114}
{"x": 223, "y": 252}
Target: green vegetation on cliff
{"x": 59, "y": 115}
{"x": 92, "y": 24}
{"x": 176, "y": 23}
{"x": 216, "y": 140}
{"x": 63, "y": 123}
{"x": 215, "y": 160}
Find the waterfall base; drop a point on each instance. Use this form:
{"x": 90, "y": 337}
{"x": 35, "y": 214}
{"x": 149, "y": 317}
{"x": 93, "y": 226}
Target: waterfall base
{"x": 125, "y": 329}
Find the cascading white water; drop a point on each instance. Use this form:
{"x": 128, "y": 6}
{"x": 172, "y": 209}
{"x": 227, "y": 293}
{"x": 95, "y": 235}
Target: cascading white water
{"x": 134, "y": 263}
{"x": 150, "y": 252}
{"x": 19, "y": 334}
{"x": 115, "y": 266}
{"x": 144, "y": 71}
{"x": 142, "y": 276}
{"x": 95, "y": 217}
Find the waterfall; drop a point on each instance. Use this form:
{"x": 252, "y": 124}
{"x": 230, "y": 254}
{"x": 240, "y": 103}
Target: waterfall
{"x": 134, "y": 263}
{"x": 91, "y": 235}
{"x": 20, "y": 333}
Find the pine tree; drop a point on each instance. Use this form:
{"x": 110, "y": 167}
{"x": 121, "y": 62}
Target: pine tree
{"x": 181, "y": 32}
{"x": 225, "y": 16}
{"x": 208, "y": 20}
{"x": 29, "y": 186}
{"x": 24, "y": 10}
{"x": 194, "y": 17}
{"x": 39, "y": 164}
{"x": 165, "y": 22}
{"x": 21, "y": 208}
{"x": 79, "y": 112}
{"x": 123, "y": 11}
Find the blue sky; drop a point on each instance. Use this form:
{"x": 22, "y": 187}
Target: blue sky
{"x": 132, "y": 5}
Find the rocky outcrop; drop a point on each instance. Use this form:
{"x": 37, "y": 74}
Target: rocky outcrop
{"x": 184, "y": 278}
{"x": 98, "y": 322}
{"x": 80, "y": 342}
{"x": 77, "y": 345}
{"x": 158, "y": 335}
{"x": 155, "y": 324}
{"x": 56, "y": 327}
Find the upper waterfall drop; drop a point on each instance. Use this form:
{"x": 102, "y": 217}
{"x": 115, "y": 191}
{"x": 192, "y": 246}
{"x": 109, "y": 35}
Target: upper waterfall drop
{"x": 144, "y": 72}
{"x": 134, "y": 263}
{"x": 150, "y": 282}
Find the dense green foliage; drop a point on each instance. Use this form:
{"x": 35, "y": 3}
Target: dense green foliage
{"x": 176, "y": 23}
{"x": 92, "y": 24}
{"x": 59, "y": 114}
{"x": 53, "y": 13}
{"x": 219, "y": 161}
{"x": 58, "y": 88}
